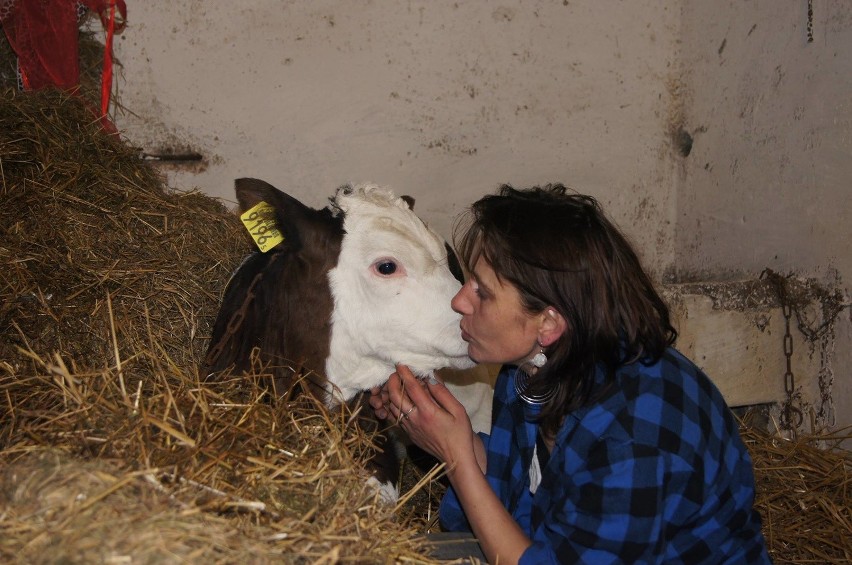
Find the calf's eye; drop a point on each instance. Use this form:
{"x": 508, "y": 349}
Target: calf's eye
{"x": 386, "y": 267}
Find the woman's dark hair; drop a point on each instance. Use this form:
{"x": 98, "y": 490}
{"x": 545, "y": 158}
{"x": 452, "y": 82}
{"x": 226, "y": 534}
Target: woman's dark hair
{"x": 560, "y": 250}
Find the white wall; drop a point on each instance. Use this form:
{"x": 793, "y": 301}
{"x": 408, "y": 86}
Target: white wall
{"x": 439, "y": 99}
{"x": 768, "y": 181}
{"x": 444, "y": 100}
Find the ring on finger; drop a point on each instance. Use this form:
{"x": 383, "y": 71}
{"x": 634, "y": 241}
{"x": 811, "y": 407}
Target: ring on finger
{"x": 410, "y": 410}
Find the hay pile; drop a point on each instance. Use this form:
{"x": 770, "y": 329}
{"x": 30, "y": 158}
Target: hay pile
{"x": 804, "y": 495}
{"x": 87, "y": 228}
{"x": 111, "y": 450}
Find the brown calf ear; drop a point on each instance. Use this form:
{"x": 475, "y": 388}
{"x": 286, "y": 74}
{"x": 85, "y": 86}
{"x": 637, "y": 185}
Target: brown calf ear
{"x": 290, "y": 214}
{"x": 250, "y": 192}
{"x": 298, "y": 224}
{"x": 408, "y": 200}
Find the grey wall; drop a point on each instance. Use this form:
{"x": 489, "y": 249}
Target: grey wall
{"x": 444, "y": 100}
{"x": 767, "y": 183}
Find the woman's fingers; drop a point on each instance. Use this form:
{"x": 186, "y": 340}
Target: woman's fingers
{"x": 402, "y": 392}
{"x": 404, "y": 395}
{"x": 413, "y": 389}
{"x": 375, "y": 399}
{"x": 430, "y": 391}
{"x": 442, "y": 396}
{"x": 378, "y": 397}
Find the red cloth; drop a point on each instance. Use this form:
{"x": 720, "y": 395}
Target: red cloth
{"x": 43, "y": 34}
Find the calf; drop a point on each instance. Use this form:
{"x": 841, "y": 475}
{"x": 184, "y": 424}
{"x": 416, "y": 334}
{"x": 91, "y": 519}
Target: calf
{"x": 351, "y": 290}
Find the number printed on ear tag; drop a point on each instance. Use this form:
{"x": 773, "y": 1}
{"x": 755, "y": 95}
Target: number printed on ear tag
{"x": 259, "y": 220}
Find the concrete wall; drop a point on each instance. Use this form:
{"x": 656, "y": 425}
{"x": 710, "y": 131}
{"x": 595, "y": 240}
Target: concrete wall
{"x": 767, "y": 183}
{"x": 712, "y": 131}
{"x": 439, "y": 99}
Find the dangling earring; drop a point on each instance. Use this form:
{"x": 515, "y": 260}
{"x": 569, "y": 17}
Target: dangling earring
{"x": 522, "y": 385}
{"x": 539, "y": 359}
{"x": 522, "y": 382}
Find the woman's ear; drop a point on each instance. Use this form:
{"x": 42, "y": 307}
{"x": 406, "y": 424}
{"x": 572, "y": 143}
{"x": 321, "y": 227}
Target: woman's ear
{"x": 552, "y": 326}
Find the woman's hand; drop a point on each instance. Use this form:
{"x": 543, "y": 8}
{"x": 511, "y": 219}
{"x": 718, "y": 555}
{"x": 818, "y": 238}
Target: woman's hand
{"x": 436, "y": 421}
{"x": 431, "y": 416}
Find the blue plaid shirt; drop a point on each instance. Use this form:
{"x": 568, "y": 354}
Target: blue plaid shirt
{"x": 655, "y": 472}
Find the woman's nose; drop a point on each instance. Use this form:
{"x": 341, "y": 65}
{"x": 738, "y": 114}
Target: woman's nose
{"x": 460, "y": 303}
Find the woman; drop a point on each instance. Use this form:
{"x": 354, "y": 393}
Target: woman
{"x": 607, "y": 445}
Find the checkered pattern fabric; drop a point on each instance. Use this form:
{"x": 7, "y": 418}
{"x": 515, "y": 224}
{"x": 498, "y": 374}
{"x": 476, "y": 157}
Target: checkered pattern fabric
{"x": 655, "y": 472}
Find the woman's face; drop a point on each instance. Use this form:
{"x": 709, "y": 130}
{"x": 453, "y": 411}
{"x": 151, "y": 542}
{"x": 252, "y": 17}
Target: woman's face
{"x": 494, "y": 323}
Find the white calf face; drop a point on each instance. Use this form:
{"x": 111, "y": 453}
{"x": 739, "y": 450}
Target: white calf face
{"x": 392, "y": 289}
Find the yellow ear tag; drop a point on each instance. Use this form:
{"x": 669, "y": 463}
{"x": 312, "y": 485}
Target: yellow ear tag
{"x": 259, "y": 220}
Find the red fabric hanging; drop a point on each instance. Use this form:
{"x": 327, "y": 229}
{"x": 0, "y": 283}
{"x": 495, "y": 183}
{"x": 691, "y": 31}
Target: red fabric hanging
{"x": 43, "y": 34}
{"x": 106, "y": 75}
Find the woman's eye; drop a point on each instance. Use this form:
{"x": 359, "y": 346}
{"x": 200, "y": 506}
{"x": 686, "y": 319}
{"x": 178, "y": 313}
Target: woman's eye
{"x": 386, "y": 267}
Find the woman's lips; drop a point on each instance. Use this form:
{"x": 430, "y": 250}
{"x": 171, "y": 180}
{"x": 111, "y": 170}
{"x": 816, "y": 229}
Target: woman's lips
{"x": 464, "y": 335}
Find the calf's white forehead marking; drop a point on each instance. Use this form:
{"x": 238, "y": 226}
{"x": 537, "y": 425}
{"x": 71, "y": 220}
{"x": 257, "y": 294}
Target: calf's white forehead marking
{"x": 371, "y": 210}
{"x": 381, "y": 225}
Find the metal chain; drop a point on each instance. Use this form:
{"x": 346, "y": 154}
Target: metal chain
{"x": 237, "y": 318}
{"x": 789, "y": 379}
